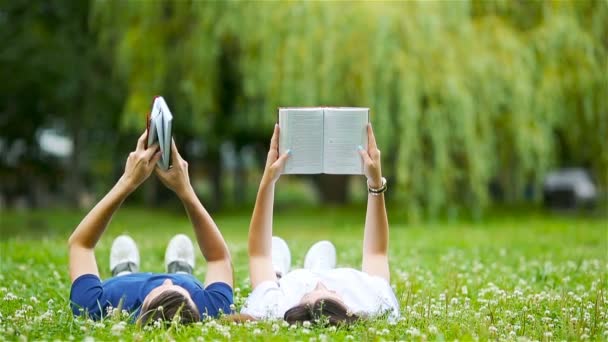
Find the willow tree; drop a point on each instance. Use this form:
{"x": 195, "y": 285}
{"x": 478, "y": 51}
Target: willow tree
{"x": 463, "y": 94}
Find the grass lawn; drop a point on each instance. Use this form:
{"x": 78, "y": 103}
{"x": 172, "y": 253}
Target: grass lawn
{"x": 533, "y": 275}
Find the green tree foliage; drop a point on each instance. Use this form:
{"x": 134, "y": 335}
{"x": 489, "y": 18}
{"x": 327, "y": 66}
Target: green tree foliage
{"x": 53, "y": 76}
{"x": 462, "y": 93}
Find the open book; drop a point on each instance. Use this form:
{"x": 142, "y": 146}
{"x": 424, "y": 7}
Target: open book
{"x": 323, "y": 139}
{"x": 159, "y": 130}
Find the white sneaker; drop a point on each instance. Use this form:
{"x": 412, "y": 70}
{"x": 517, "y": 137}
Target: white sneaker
{"x": 124, "y": 256}
{"x": 281, "y": 256}
{"x": 179, "y": 256}
{"x": 321, "y": 256}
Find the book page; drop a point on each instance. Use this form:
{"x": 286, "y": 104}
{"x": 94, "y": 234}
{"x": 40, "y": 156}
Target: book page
{"x": 152, "y": 138}
{"x": 345, "y": 129}
{"x": 166, "y": 150}
{"x": 302, "y": 133}
{"x": 161, "y": 122}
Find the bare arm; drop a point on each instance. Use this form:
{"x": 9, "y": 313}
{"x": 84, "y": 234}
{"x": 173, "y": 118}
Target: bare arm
{"x": 260, "y": 229}
{"x": 83, "y": 240}
{"x": 375, "y": 237}
{"x": 209, "y": 238}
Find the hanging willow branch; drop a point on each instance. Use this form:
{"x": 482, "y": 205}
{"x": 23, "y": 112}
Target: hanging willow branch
{"x": 462, "y": 93}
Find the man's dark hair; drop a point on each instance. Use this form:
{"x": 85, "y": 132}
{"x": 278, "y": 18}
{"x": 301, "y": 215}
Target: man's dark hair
{"x": 166, "y": 306}
{"x": 334, "y": 311}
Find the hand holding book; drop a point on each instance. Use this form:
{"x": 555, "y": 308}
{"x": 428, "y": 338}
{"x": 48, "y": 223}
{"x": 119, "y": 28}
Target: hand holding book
{"x": 140, "y": 163}
{"x": 371, "y": 160}
{"x": 275, "y": 164}
{"x": 176, "y": 177}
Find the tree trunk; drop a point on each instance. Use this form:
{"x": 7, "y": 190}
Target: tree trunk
{"x": 240, "y": 180}
{"x": 215, "y": 173}
{"x": 332, "y": 188}
{"x": 75, "y": 173}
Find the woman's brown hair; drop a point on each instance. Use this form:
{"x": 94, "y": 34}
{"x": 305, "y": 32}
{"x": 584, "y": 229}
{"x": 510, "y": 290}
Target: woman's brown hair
{"x": 166, "y": 306}
{"x": 334, "y": 311}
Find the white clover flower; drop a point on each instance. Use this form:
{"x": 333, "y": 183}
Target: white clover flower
{"x": 548, "y": 334}
{"x": 493, "y": 329}
{"x": 306, "y": 324}
{"x": 33, "y": 299}
{"x": 275, "y": 327}
{"x": 413, "y": 331}
{"x": 10, "y": 296}
{"x": 306, "y": 331}
{"x": 433, "y": 330}
{"x": 285, "y": 324}
{"x": 349, "y": 337}
{"x": 118, "y": 328}
{"x": 232, "y": 307}
{"x": 464, "y": 290}
{"x": 257, "y": 331}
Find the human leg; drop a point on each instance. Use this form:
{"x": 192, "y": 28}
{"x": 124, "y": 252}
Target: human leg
{"x": 281, "y": 256}
{"x": 179, "y": 256}
{"x": 124, "y": 256}
{"x": 321, "y": 256}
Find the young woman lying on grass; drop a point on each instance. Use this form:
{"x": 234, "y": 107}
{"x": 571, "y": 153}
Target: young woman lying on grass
{"x": 341, "y": 295}
{"x": 149, "y": 296}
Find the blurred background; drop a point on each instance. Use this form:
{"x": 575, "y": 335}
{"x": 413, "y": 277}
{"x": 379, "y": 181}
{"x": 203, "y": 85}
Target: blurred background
{"x": 476, "y": 104}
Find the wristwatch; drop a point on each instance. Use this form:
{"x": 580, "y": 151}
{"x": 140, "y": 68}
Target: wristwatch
{"x": 377, "y": 191}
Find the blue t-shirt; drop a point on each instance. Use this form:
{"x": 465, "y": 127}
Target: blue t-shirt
{"x": 94, "y": 296}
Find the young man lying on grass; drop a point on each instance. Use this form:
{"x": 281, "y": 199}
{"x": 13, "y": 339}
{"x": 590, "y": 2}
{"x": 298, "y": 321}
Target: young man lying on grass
{"x": 148, "y": 296}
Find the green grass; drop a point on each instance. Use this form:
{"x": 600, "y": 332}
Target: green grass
{"x": 532, "y": 275}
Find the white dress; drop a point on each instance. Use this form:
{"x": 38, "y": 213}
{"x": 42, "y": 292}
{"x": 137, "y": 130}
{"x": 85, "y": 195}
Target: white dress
{"x": 363, "y": 294}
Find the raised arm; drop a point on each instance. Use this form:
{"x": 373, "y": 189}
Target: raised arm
{"x": 83, "y": 240}
{"x": 209, "y": 238}
{"x": 260, "y": 229}
{"x": 375, "y": 237}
